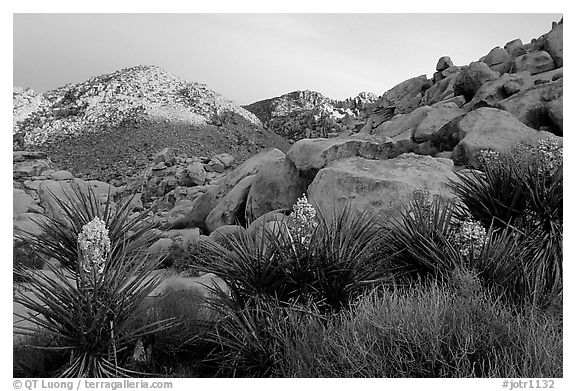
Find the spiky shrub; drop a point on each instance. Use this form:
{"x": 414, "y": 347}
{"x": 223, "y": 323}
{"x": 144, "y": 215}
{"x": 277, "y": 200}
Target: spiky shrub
{"x": 424, "y": 237}
{"x": 92, "y": 310}
{"x": 522, "y": 187}
{"x": 520, "y": 194}
{"x": 60, "y": 233}
{"x": 329, "y": 263}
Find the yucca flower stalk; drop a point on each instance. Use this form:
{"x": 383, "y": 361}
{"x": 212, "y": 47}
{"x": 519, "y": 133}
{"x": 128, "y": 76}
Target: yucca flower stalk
{"x": 95, "y": 311}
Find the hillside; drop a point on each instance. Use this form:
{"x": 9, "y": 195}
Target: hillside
{"x": 109, "y": 126}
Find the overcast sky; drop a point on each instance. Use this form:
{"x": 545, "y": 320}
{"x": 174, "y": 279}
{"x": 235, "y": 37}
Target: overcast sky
{"x": 249, "y": 57}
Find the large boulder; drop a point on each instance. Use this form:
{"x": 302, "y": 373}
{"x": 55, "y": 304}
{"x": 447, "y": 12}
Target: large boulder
{"x": 554, "y": 42}
{"x": 498, "y": 60}
{"x": 494, "y": 91}
{"x": 531, "y": 106}
{"x": 22, "y": 202}
{"x": 534, "y": 62}
{"x": 223, "y": 234}
{"x": 310, "y": 155}
{"x": 491, "y": 129}
{"x": 230, "y": 209}
{"x": 382, "y": 187}
{"x": 443, "y": 89}
{"x": 556, "y": 113}
{"x": 515, "y": 48}
{"x": 471, "y": 78}
{"x": 200, "y": 208}
{"x": 402, "y": 127}
{"x": 276, "y": 186}
{"x": 435, "y": 120}
{"x": 249, "y": 167}
{"x": 407, "y": 95}
{"x": 65, "y": 191}
{"x": 443, "y": 63}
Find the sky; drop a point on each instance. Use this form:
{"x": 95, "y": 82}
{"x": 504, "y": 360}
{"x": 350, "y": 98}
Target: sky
{"x": 250, "y": 57}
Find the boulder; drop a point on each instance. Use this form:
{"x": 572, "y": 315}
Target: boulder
{"x": 64, "y": 191}
{"x": 531, "y": 106}
{"x": 249, "y": 167}
{"x": 27, "y": 223}
{"x": 194, "y": 175}
{"x": 444, "y": 63}
{"x": 446, "y": 138}
{"x": 491, "y": 129}
{"x": 30, "y": 167}
{"x": 515, "y": 48}
{"x": 166, "y": 156}
{"x": 230, "y": 209}
{"x": 499, "y": 60}
{"x": 198, "y": 210}
{"x": 255, "y": 228}
{"x": 434, "y": 121}
{"x": 556, "y": 113}
{"x": 382, "y": 187}
{"x": 22, "y": 202}
{"x": 534, "y": 62}
{"x": 61, "y": 175}
{"x": 310, "y": 155}
{"x": 442, "y": 90}
{"x": 402, "y": 127}
{"x": 494, "y": 91}
{"x": 471, "y": 78}
{"x": 553, "y": 44}
{"x": 276, "y": 186}
{"x": 407, "y": 95}
{"x": 222, "y": 234}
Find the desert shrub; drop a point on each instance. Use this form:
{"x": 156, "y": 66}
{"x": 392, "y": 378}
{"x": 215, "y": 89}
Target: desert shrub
{"x": 91, "y": 309}
{"x": 328, "y": 262}
{"x": 60, "y": 233}
{"x": 24, "y": 256}
{"x": 451, "y": 330}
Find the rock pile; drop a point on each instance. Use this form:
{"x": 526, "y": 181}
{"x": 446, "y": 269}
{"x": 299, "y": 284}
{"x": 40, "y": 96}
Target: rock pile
{"x": 309, "y": 114}
{"x": 521, "y": 83}
{"x": 418, "y": 134}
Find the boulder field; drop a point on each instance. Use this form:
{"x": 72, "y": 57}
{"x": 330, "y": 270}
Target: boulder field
{"x": 412, "y": 138}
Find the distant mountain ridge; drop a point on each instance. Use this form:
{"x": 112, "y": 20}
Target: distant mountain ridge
{"x": 300, "y": 114}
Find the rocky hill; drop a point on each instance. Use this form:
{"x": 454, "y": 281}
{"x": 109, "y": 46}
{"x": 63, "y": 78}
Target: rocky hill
{"x": 309, "y": 114}
{"x": 109, "y": 126}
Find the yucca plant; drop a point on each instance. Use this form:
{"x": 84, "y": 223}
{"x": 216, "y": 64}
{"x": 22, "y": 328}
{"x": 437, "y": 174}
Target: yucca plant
{"x": 424, "y": 235}
{"x": 330, "y": 264}
{"x": 93, "y": 314}
{"x": 60, "y": 233}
